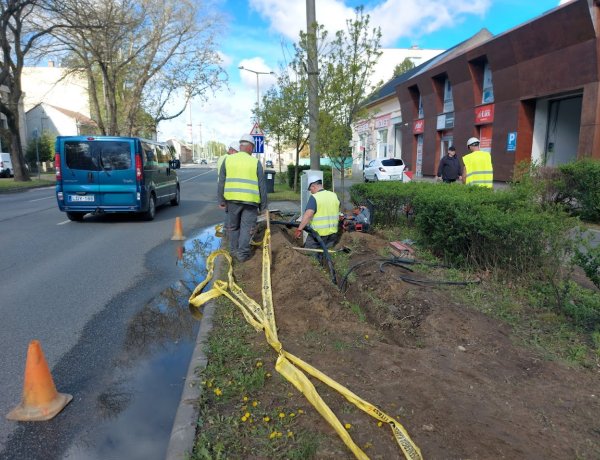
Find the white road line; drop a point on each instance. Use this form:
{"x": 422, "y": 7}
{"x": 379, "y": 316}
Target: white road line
{"x": 63, "y": 222}
{"x": 199, "y": 175}
{"x": 40, "y": 199}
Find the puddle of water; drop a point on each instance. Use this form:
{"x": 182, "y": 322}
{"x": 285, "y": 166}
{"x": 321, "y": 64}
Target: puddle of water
{"x": 137, "y": 405}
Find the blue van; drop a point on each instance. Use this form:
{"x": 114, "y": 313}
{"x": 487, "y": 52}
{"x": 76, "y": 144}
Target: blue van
{"x": 97, "y": 174}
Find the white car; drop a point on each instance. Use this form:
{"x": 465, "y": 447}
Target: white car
{"x": 6, "y": 167}
{"x": 384, "y": 169}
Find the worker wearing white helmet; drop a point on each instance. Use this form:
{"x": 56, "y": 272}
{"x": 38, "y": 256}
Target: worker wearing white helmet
{"x": 234, "y": 147}
{"x": 242, "y": 192}
{"x": 322, "y": 213}
{"x": 478, "y": 165}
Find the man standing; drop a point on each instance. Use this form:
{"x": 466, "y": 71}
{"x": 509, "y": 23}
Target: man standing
{"x": 242, "y": 192}
{"x": 449, "y": 169}
{"x": 322, "y": 212}
{"x": 478, "y": 165}
{"x": 234, "y": 147}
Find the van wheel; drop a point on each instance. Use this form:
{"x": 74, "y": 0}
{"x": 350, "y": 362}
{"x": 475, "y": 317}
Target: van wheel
{"x": 175, "y": 201}
{"x": 76, "y": 216}
{"x": 151, "y": 212}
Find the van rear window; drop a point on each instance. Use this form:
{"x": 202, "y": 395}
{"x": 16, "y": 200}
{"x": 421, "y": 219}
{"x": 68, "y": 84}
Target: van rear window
{"x": 95, "y": 156}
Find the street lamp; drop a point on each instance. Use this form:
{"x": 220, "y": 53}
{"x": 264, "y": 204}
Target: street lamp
{"x": 257, "y": 90}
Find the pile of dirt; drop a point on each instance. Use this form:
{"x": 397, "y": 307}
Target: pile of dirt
{"x": 449, "y": 374}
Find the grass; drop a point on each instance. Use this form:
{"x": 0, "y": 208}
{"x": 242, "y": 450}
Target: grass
{"x": 283, "y": 193}
{"x": 244, "y": 410}
{"x": 10, "y": 185}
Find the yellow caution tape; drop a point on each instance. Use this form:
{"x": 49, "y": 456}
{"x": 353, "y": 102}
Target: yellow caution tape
{"x": 288, "y": 365}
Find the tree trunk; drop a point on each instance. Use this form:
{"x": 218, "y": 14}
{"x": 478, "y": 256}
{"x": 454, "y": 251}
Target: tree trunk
{"x": 21, "y": 174}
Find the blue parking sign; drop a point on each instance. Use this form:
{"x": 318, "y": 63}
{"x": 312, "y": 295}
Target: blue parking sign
{"x": 511, "y": 142}
{"x": 259, "y": 144}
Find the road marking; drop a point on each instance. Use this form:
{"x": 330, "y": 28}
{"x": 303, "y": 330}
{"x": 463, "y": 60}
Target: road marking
{"x": 40, "y": 199}
{"x": 63, "y": 222}
{"x": 199, "y": 175}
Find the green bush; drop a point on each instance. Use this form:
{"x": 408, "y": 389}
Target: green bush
{"x": 45, "y": 149}
{"x": 327, "y": 177}
{"x": 588, "y": 259}
{"x": 473, "y": 226}
{"x": 579, "y": 186}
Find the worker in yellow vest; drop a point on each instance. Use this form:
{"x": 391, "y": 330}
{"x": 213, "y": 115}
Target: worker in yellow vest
{"x": 234, "y": 147}
{"x": 242, "y": 192}
{"x": 322, "y": 213}
{"x": 478, "y": 165}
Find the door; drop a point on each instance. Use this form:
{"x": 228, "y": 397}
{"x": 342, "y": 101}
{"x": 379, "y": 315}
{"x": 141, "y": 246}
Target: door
{"x": 564, "y": 121}
{"x": 116, "y": 176}
{"x": 80, "y": 171}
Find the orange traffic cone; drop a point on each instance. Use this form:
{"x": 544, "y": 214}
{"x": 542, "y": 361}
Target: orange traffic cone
{"x": 178, "y": 231}
{"x": 40, "y": 400}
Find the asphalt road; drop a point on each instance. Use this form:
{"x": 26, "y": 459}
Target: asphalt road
{"x": 75, "y": 286}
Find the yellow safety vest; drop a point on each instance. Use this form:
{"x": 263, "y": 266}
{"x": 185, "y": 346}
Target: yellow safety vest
{"x": 241, "y": 180}
{"x": 325, "y": 220}
{"x": 479, "y": 169}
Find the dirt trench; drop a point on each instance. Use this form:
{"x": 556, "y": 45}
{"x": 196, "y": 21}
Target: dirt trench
{"x": 451, "y": 375}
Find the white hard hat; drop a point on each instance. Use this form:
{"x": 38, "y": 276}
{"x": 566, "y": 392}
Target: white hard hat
{"x": 472, "y": 140}
{"x": 312, "y": 177}
{"x": 247, "y": 138}
{"x": 234, "y": 145}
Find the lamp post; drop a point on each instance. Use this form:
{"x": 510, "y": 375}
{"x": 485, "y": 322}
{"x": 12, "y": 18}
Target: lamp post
{"x": 257, "y": 87}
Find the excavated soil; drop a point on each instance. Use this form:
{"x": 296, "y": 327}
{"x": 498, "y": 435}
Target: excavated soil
{"x": 451, "y": 375}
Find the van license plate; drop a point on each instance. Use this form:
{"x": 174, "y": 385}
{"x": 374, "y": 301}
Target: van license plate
{"x": 81, "y": 197}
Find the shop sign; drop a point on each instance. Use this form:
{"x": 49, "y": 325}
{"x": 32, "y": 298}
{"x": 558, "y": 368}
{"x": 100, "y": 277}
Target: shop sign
{"x": 362, "y": 127}
{"x": 484, "y": 114}
{"x": 419, "y": 126}
{"x": 382, "y": 122}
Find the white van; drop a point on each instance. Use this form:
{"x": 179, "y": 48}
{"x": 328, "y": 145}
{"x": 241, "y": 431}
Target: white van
{"x": 6, "y": 167}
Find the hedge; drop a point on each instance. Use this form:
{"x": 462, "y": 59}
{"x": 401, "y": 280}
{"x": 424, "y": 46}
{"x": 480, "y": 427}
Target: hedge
{"x": 326, "y": 175}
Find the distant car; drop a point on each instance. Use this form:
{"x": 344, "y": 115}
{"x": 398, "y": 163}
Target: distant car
{"x": 268, "y": 164}
{"x": 6, "y": 167}
{"x": 384, "y": 169}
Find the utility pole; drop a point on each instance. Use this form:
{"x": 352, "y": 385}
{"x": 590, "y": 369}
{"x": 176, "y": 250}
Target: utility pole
{"x": 313, "y": 84}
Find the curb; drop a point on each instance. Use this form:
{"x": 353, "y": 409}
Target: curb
{"x": 183, "y": 433}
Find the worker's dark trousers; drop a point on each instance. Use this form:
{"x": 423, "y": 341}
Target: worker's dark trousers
{"x": 241, "y": 222}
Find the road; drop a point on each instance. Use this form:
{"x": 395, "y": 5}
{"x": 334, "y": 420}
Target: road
{"x": 76, "y": 286}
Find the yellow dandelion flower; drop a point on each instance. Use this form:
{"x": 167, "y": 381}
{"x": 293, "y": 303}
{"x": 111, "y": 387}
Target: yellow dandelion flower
{"x": 367, "y": 336}
{"x": 300, "y": 411}
{"x": 279, "y": 434}
{"x": 267, "y": 419}
{"x": 244, "y": 418}
{"x": 247, "y": 414}
{"x": 290, "y": 434}
{"x": 218, "y": 391}
{"x": 245, "y": 398}
{"x": 292, "y": 415}
{"x": 273, "y": 434}
{"x": 347, "y": 426}
{"x": 254, "y": 403}
{"x": 281, "y": 415}
{"x": 259, "y": 364}
{"x": 379, "y": 423}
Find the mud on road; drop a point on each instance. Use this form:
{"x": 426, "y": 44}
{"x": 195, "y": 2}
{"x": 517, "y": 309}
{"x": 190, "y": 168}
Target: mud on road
{"x": 451, "y": 375}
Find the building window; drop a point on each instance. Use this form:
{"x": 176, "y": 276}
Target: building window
{"x": 488, "y": 87}
{"x": 421, "y": 115}
{"x": 448, "y": 99}
{"x": 382, "y": 136}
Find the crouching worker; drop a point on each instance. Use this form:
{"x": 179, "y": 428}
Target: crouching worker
{"x": 322, "y": 213}
{"x": 358, "y": 221}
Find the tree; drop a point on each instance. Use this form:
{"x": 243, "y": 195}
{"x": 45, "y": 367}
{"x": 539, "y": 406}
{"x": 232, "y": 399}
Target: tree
{"x": 403, "y": 67}
{"x": 22, "y": 29}
{"x": 42, "y": 147}
{"x": 138, "y": 54}
{"x": 344, "y": 79}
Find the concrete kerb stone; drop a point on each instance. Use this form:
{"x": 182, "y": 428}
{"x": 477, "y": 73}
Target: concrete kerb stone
{"x": 183, "y": 433}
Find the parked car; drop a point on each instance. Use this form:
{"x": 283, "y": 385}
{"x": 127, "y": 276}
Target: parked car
{"x": 114, "y": 174}
{"x": 384, "y": 169}
{"x": 268, "y": 164}
{"x": 6, "y": 167}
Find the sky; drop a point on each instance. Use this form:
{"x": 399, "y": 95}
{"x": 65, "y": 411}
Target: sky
{"x": 258, "y": 35}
